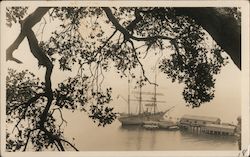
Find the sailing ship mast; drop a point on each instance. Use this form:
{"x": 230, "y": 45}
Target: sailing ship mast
{"x": 153, "y": 102}
{"x": 155, "y": 95}
{"x": 129, "y": 95}
{"x": 141, "y": 117}
{"x": 140, "y": 97}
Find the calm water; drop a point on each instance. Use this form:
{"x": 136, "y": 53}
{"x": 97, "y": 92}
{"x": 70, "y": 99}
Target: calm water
{"x": 132, "y": 138}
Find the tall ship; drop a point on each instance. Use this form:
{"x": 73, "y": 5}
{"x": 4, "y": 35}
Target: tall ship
{"x": 150, "y": 114}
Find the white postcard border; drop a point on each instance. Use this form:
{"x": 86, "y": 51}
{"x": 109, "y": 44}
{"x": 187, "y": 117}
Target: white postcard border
{"x": 244, "y": 83}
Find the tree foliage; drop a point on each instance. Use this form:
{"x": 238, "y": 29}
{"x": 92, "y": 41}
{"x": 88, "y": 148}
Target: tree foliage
{"x": 15, "y": 14}
{"x": 119, "y": 37}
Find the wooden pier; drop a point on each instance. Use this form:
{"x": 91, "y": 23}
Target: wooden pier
{"x": 207, "y": 125}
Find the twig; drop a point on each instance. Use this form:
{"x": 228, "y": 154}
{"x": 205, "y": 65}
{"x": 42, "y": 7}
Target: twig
{"x": 69, "y": 144}
{"x": 43, "y": 28}
{"x": 142, "y": 68}
{"x": 125, "y": 32}
{"x": 28, "y": 137}
{"x": 61, "y": 115}
{"x": 30, "y": 101}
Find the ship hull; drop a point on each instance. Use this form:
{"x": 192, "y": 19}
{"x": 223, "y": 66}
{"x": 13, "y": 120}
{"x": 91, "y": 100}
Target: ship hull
{"x": 140, "y": 119}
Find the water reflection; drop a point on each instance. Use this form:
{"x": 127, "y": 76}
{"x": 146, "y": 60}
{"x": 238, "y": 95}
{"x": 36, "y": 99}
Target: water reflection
{"x": 141, "y": 135}
{"x": 136, "y": 138}
{"x": 200, "y": 137}
{"x": 144, "y": 139}
{"x": 130, "y": 128}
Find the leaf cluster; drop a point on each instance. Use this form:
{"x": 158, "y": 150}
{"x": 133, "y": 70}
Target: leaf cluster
{"x": 98, "y": 111}
{"x": 15, "y": 14}
{"x": 193, "y": 63}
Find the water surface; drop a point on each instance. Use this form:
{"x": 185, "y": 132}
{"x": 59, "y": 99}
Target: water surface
{"x": 116, "y": 137}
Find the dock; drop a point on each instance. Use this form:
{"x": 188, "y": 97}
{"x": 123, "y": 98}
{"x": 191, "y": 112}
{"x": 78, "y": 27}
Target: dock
{"x": 207, "y": 125}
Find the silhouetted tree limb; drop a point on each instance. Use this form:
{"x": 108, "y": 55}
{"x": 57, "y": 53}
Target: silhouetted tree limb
{"x": 28, "y": 23}
{"x": 45, "y": 61}
{"x": 53, "y": 137}
{"x": 26, "y": 106}
{"x": 26, "y": 31}
{"x": 69, "y": 144}
{"x": 126, "y": 33}
{"x": 27, "y": 140}
{"x": 137, "y": 19}
{"x": 224, "y": 29}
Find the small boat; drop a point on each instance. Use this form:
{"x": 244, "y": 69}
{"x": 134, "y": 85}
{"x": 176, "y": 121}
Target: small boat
{"x": 151, "y": 124}
{"x": 165, "y": 124}
{"x": 168, "y": 124}
{"x": 173, "y": 128}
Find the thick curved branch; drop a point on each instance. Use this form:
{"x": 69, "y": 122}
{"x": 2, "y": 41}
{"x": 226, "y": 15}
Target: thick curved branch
{"x": 28, "y": 23}
{"x": 133, "y": 23}
{"x": 224, "y": 29}
{"x": 45, "y": 61}
{"x": 26, "y": 31}
{"x": 42, "y": 58}
{"x": 115, "y": 22}
{"x": 126, "y": 33}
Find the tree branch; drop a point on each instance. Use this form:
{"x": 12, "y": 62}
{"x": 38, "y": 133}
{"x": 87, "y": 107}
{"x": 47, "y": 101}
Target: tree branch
{"x": 30, "y": 101}
{"x": 142, "y": 68}
{"x": 224, "y": 29}
{"x": 125, "y": 32}
{"x": 53, "y": 137}
{"x": 27, "y": 141}
{"x": 137, "y": 19}
{"x": 45, "y": 61}
{"x": 26, "y": 31}
{"x": 69, "y": 144}
{"x": 61, "y": 115}
{"x": 28, "y": 23}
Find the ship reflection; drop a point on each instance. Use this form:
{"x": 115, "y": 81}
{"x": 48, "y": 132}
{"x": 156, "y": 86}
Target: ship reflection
{"x": 130, "y": 127}
{"x": 138, "y": 136}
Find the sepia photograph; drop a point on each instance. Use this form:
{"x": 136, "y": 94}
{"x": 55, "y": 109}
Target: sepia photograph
{"x": 127, "y": 77}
